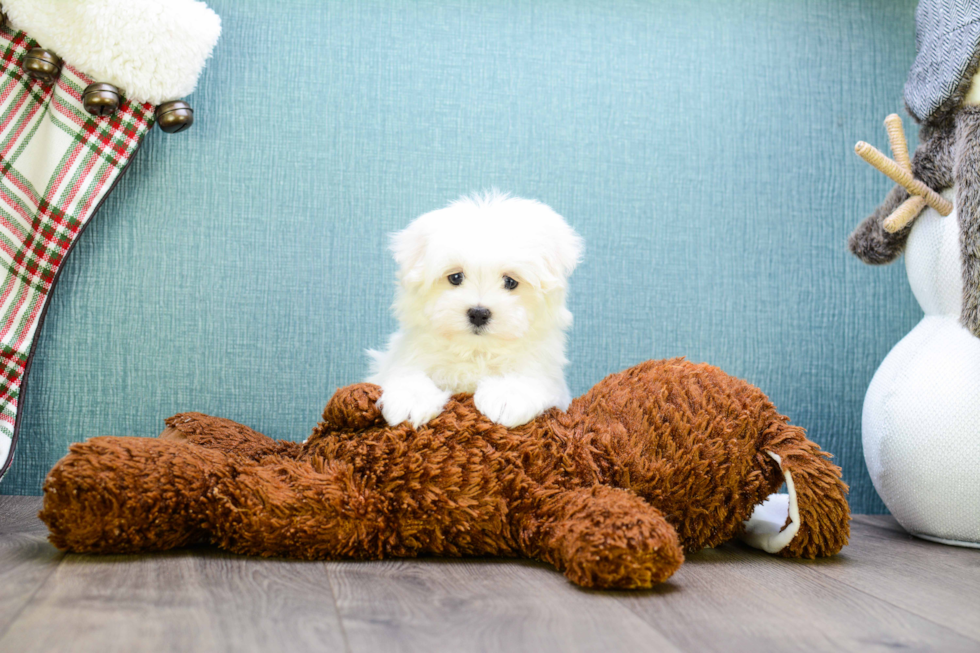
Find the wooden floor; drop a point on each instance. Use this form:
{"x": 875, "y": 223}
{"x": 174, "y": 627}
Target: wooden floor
{"x": 886, "y": 591}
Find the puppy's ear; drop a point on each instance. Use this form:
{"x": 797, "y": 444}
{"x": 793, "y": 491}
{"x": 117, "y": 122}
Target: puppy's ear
{"x": 564, "y": 252}
{"x": 568, "y": 250}
{"x": 409, "y": 248}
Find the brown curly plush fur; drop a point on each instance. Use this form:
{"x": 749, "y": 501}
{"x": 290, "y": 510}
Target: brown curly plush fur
{"x": 665, "y": 457}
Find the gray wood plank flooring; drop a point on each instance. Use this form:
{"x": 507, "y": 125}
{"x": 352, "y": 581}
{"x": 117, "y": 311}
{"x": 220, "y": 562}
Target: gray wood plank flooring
{"x": 887, "y": 590}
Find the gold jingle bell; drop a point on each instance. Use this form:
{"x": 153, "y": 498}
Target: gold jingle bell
{"x": 174, "y": 116}
{"x": 43, "y": 65}
{"x": 101, "y": 99}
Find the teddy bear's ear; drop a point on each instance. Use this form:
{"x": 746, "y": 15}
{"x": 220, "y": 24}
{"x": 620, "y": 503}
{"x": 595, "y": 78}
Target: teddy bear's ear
{"x": 409, "y": 248}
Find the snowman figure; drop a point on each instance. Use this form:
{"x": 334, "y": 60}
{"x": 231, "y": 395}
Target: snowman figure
{"x": 921, "y": 420}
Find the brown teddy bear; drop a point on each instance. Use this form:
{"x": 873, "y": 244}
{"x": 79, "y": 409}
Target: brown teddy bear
{"x": 662, "y": 458}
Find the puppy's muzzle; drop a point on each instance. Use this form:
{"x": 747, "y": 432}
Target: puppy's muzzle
{"x": 478, "y": 316}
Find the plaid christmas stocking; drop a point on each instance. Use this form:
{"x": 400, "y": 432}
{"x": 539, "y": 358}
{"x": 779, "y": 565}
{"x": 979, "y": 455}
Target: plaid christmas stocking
{"x": 59, "y": 158}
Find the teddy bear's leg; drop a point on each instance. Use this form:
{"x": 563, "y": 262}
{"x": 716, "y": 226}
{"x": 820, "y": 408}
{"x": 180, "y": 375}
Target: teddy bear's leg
{"x": 604, "y": 537}
{"x": 227, "y": 436}
{"x": 124, "y": 495}
{"x": 818, "y": 508}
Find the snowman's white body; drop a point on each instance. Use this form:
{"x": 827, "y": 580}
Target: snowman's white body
{"x": 921, "y": 422}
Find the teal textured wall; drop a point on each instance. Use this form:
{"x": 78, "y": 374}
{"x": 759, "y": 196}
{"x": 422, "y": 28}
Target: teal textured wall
{"x": 702, "y": 148}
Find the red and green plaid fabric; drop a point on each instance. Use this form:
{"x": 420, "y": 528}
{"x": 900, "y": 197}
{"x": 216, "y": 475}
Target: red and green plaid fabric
{"x": 57, "y": 163}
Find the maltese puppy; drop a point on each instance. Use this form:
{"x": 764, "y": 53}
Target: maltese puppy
{"x": 481, "y": 309}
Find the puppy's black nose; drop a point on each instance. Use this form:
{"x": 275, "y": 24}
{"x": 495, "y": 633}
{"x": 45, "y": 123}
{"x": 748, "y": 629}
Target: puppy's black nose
{"x": 478, "y": 316}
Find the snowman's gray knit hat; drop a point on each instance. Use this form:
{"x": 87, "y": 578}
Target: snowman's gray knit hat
{"x": 947, "y": 39}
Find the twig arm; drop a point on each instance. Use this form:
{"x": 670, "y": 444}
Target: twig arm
{"x": 904, "y": 214}
{"x": 903, "y": 177}
{"x": 897, "y": 140}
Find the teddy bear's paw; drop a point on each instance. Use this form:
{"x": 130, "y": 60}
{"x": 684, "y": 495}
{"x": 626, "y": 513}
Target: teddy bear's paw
{"x": 610, "y": 538}
{"x": 510, "y": 401}
{"x": 354, "y": 407}
{"x": 611, "y": 567}
{"x": 416, "y": 403}
{"x": 639, "y": 555}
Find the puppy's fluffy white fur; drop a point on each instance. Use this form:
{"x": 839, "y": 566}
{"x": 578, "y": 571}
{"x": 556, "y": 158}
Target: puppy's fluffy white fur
{"x": 513, "y": 364}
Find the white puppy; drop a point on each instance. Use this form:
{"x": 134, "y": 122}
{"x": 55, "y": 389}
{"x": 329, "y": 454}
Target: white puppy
{"x": 481, "y": 308}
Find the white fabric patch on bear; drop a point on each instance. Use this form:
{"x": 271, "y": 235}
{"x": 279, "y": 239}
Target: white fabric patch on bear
{"x": 764, "y": 529}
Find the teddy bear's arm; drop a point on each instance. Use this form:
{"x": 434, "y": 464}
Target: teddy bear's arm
{"x": 354, "y": 407}
{"x": 288, "y": 508}
{"x": 118, "y": 494}
{"x": 226, "y": 436}
{"x": 604, "y": 537}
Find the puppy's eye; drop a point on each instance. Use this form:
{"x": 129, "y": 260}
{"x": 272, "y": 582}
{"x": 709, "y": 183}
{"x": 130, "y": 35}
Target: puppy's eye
{"x": 509, "y": 283}
{"x": 455, "y": 278}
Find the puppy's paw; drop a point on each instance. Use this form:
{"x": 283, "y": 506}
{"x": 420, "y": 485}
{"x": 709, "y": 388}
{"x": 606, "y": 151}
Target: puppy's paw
{"x": 511, "y": 401}
{"x": 415, "y": 400}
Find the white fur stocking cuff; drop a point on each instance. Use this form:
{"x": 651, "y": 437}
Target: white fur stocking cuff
{"x": 153, "y": 50}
